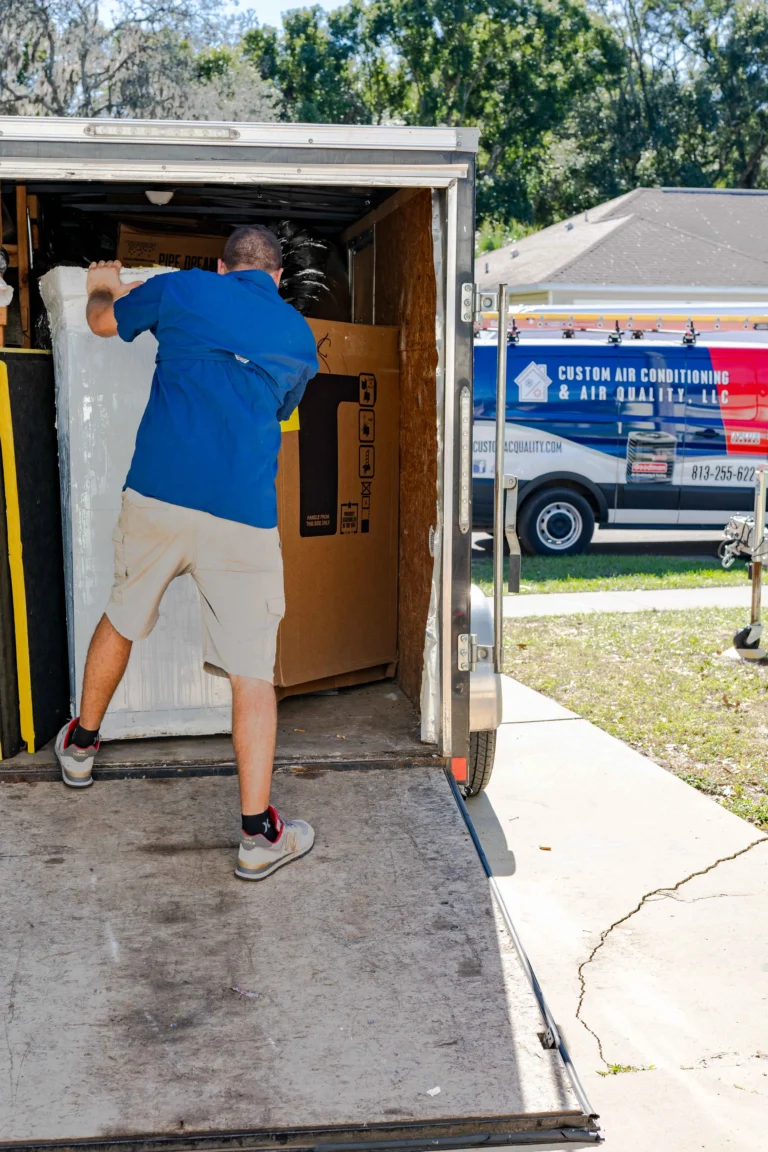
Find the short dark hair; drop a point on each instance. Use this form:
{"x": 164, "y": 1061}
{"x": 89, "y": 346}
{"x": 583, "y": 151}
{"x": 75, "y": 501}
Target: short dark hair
{"x": 253, "y": 246}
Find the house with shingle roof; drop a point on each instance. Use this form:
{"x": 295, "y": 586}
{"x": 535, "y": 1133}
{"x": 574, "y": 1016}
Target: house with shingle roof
{"x": 653, "y": 245}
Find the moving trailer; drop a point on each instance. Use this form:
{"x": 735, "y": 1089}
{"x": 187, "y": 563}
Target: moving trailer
{"x": 377, "y": 995}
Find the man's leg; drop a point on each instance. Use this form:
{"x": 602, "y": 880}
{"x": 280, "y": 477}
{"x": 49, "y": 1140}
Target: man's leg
{"x": 254, "y": 728}
{"x": 268, "y": 841}
{"x": 239, "y": 573}
{"x": 78, "y": 742}
{"x": 105, "y": 665}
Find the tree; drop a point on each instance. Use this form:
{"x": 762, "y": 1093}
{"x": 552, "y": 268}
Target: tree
{"x": 627, "y": 128}
{"x": 684, "y": 104}
{"x": 60, "y": 59}
{"x": 725, "y": 43}
{"x": 326, "y": 67}
{"x": 512, "y": 67}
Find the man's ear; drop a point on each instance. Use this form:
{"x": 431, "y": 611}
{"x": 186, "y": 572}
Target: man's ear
{"x": 221, "y": 268}
{"x": 277, "y": 276}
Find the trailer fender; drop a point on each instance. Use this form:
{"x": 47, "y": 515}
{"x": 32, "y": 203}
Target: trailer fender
{"x": 484, "y": 683}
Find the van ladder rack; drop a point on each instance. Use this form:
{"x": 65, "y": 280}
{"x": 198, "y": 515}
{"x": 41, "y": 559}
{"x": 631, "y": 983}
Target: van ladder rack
{"x": 636, "y": 319}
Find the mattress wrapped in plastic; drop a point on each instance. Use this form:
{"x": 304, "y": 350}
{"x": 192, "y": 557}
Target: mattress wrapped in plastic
{"x": 102, "y": 387}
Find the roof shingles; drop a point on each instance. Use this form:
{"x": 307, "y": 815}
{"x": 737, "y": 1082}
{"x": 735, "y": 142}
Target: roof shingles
{"x": 652, "y": 236}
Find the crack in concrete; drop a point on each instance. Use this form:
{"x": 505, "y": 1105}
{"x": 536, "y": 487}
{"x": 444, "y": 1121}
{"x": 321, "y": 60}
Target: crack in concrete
{"x": 668, "y": 891}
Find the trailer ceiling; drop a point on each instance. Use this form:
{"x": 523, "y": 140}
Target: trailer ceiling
{"x": 335, "y": 208}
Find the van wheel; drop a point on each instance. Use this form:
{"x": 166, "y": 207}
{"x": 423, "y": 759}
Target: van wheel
{"x": 556, "y": 522}
{"x": 482, "y": 751}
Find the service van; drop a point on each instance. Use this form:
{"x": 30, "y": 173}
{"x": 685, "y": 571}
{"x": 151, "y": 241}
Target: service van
{"x": 639, "y": 434}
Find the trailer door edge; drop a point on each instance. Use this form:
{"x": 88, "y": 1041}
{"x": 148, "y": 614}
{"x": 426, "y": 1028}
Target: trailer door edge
{"x": 553, "y": 1036}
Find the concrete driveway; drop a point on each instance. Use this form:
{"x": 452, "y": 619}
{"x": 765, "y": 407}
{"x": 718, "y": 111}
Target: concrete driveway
{"x": 644, "y": 908}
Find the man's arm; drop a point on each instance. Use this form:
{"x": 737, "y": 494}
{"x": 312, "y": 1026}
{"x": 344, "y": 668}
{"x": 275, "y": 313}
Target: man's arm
{"x": 292, "y": 400}
{"x": 306, "y": 352}
{"x": 104, "y": 287}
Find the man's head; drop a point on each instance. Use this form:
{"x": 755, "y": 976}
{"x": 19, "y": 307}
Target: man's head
{"x": 252, "y": 246}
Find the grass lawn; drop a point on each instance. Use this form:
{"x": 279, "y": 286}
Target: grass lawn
{"x": 656, "y": 680}
{"x": 613, "y": 573}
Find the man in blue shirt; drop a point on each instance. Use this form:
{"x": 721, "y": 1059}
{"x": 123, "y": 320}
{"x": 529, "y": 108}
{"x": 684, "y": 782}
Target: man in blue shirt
{"x": 233, "y": 360}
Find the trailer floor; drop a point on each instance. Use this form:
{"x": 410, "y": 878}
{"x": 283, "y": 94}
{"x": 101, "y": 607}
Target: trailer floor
{"x": 369, "y": 724}
{"x": 146, "y": 991}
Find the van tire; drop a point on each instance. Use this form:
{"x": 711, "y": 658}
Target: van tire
{"x": 482, "y": 752}
{"x": 556, "y": 522}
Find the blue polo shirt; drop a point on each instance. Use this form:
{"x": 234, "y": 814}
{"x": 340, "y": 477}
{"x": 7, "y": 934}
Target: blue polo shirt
{"x": 233, "y": 360}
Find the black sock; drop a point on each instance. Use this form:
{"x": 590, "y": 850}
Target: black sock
{"x": 83, "y": 737}
{"x": 262, "y": 824}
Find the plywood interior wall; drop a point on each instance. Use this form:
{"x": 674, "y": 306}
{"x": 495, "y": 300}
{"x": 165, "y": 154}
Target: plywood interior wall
{"x": 405, "y": 295}
{"x": 362, "y": 283}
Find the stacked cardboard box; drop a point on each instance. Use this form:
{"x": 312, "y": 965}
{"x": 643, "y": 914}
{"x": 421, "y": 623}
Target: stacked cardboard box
{"x": 140, "y": 248}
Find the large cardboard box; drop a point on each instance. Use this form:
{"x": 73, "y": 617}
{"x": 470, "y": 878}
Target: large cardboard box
{"x": 137, "y": 248}
{"x": 337, "y": 490}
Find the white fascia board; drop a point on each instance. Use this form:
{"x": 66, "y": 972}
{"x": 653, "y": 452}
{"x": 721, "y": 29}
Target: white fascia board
{"x": 643, "y": 308}
{"x": 205, "y": 172}
{"x": 364, "y": 136}
{"x": 712, "y": 290}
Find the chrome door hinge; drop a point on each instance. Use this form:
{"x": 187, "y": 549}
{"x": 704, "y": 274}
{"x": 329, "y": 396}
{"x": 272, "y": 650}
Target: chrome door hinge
{"x": 467, "y": 652}
{"x": 470, "y": 652}
{"x": 474, "y": 302}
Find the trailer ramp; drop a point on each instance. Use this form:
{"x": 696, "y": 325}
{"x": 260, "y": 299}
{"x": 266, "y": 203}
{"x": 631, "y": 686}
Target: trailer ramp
{"x": 367, "y": 996}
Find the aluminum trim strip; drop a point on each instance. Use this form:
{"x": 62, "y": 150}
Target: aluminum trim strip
{"x": 199, "y": 172}
{"x": 54, "y": 128}
{"x": 431, "y": 670}
{"x": 447, "y": 654}
{"x": 307, "y": 1140}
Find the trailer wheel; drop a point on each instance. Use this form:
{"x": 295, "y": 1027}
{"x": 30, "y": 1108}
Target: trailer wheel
{"x": 556, "y": 522}
{"x": 482, "y": 751}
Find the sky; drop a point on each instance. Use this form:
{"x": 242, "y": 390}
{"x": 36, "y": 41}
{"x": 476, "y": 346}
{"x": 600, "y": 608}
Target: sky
{"x": 270, "y": 11}
{"x": 267, "y": 11}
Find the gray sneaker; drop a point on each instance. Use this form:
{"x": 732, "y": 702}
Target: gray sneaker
{"x": 75, "y": 763}
{"x": 259, "y": 858}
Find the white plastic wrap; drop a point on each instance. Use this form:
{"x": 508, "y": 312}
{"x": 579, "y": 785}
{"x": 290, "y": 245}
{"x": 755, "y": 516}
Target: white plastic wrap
{"x": 102, "y": 388}
{"x": 6, "y": 293}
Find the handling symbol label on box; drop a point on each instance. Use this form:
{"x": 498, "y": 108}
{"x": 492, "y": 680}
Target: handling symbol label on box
{"x": 365, "y": 505}
{"x": 367, "y": 425}
{"x": 348, "y": 518}
{"x": 367, "y": 461}
{"x": 367, "y": 389}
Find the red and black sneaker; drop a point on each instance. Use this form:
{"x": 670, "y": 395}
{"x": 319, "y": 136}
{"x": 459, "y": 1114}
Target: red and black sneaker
{"x": 75, "y": 763}
{"x": 259, "y": 857}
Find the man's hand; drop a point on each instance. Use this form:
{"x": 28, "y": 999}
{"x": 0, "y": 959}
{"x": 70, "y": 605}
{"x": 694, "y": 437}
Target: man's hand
{"x": 104, "y": 287}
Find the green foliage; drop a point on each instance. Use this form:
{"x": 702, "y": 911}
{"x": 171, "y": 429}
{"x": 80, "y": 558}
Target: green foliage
{"x": 575, "y": 102}
{"x": 607, "y": 573}
{"x": 213, "y": 62}
{"x": 494, "y": 234}
{"x": 160, "y": 58}
{"x": 618, "y": 1069}
{"x": 674, "y": 695}
{"x": 726, "y": 42}
{"x": 325, "y": 67}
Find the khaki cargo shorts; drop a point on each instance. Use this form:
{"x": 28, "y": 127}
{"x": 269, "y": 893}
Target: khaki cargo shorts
{"x": 238, "y": 571}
